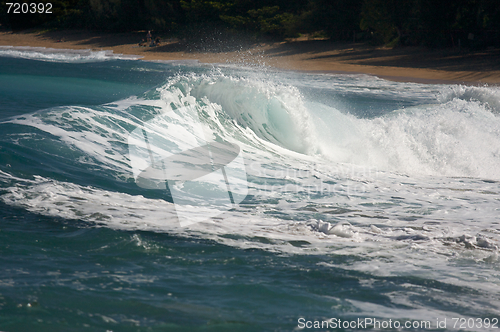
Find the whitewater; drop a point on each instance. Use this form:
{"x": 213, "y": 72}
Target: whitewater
{"x": 361, "y": 197}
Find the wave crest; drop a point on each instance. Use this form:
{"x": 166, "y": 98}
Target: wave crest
{"x": 275, "y": 113}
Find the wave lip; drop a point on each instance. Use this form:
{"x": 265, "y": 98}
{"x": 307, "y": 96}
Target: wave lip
{"x": 62, "y": 55}
{"x": 274, "y": 112}
{"x": 204, "y": 177}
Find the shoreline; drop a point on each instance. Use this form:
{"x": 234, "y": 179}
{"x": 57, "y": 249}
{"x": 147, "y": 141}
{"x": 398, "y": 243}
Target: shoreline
{"x": 408, "y": 64}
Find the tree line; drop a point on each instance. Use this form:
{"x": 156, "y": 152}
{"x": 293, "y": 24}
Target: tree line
{"x": 434, "y": 23}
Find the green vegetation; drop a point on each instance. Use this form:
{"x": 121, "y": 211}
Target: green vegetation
{"x": 435, "y": 23}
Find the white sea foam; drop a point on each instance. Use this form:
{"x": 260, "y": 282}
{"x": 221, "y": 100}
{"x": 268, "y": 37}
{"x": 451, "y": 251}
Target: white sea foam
{"x": 62, "y": 55}
{"x": 454, "y": 138}
{"x": 487, "y": 96}
{"x": 412, "y": 191}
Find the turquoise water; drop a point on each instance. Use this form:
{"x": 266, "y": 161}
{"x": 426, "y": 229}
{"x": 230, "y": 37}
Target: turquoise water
{"x": 364, "y": 199}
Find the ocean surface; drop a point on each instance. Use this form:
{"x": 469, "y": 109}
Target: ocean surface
{"x": 361, "y": 201}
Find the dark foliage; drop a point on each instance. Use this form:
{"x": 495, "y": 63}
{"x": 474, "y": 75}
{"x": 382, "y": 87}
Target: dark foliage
{"x": 31, "y": 16}
{"x": 435, "y": 23}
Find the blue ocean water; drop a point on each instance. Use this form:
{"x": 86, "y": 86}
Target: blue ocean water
{"x": 368, "y": 200}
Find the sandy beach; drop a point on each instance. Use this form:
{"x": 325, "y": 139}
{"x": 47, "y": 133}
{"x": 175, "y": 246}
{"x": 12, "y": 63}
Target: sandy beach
{"x": 411, "y": 64}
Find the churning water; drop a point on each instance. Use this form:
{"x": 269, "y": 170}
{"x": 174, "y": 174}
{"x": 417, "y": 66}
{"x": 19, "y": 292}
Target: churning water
{"x": 364, "y": 199}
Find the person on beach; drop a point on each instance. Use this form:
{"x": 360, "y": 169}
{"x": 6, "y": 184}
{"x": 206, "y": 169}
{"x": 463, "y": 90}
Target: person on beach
{"x": 148, "y": 36}
{"x": 155, "y": 42}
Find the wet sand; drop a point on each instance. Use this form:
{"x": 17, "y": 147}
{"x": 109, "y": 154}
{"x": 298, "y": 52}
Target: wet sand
{"x": 409, "y": 64}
